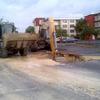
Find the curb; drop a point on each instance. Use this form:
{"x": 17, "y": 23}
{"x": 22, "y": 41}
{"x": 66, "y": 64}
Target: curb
{"x": 91, "y": 57}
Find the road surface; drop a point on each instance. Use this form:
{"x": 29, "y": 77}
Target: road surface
{"x": 83, "y": 47}
{"x": 37, "y": 77}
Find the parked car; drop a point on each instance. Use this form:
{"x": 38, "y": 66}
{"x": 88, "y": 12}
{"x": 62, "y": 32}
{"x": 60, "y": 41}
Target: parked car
{"x": 69, "y": 40}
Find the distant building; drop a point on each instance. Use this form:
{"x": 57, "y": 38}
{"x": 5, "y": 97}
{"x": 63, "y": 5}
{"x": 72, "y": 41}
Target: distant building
{"x": 93, "y": 20}
{"x": 65, "y": 24}
{"x": 90, "y": 20}
{"x": 57, "y": 23}
{"x": 97, "y": 21}
{"x": 40, "y": 23}
{"x": 37, "y": 23}
{"x": 41, "y": 26}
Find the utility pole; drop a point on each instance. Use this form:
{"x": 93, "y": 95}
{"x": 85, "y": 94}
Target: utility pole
{"x": 52, "y": 37}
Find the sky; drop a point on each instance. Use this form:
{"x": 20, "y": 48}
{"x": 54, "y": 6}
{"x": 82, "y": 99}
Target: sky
{"x": 23, "y": 12}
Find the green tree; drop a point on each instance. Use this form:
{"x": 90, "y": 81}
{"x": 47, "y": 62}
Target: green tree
{"x": 80, "y": 25}
{"x": 29, "y": 29}
{"x": 61, "y": 32}
{"x": 84, "y": 31}
{"x": 87, "y": 32}
{"x": 13, "y": 28}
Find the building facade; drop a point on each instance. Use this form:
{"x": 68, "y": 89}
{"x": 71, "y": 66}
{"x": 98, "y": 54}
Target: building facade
{"x": 90, "y": 20}
{"x": 97, "y": 21}
{"x": 93, "y": 20}
{"x": 65, "y": 24}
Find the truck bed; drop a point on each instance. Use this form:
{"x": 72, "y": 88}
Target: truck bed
{"x": 19, "y": 37}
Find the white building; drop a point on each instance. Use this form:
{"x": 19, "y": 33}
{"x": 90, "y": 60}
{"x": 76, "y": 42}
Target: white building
{"x": 66, "y": 24}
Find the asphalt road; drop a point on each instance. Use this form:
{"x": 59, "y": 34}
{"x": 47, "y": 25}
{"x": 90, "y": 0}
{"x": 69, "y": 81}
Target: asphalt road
{"x": 88, "y": 48}
{"x": 16, "y": 85}
{"x": 86, "y": 68}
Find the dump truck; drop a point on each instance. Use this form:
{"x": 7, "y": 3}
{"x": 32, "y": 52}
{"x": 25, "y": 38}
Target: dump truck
{"x": 13, "y": 43}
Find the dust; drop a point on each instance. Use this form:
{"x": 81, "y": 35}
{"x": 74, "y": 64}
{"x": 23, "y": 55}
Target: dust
{"x": 44, "y": 69}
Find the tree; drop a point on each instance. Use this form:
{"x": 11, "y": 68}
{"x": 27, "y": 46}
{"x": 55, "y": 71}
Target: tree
{"x": 61, "y": 32}
{"x": 29, "y": 29}
{"x": 80, "y": 25}
{"x": 86, "y": 32}
{"x": 14, "y": 28}
{"x": 58, "y": 31}
{"x": 12, "y": 25}
{"x": 97, "y": 33}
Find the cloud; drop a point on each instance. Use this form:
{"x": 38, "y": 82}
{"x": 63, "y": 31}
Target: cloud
{"x": 22, "y": 12}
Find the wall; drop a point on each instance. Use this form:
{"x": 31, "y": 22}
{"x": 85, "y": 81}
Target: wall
{"x": 90, "y": 20}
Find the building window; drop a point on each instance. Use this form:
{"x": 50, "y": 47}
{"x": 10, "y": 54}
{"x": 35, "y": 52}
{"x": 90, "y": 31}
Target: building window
{"x": 64, "y": 21}
{"x": 97, "y": 24}
{"x": 64, "y": 26}
{"x": 96, "y": 18}
{"x": 71, "y": 21}
{"x": 64, "y": 31}
{"x": 72, "y": 31}
{"x": 57, "y": 26}
{"x": 72, "y": 26}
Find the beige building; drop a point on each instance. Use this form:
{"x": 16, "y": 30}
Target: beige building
{"x": 66, "y": 24}
{"x": 63, "y": 23}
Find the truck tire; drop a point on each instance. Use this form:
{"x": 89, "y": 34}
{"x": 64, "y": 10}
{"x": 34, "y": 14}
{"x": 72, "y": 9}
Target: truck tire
{"x": 23, "y": 52}
{"x": 15, "y": 52}
{"x": 34, "y": 47}
{"x": 47, "y": 46}
{"x": 4, "y": 53}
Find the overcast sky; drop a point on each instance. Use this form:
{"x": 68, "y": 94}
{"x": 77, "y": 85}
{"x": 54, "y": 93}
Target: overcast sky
{"x": 22, "y": 12}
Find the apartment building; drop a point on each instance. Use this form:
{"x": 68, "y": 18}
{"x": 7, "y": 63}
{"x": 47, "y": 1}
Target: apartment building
{"x": 97, "y": 21}
{"x": 66, "y": 24}
{"x": 93, "y": 20}
{"x": 90, "y": 20}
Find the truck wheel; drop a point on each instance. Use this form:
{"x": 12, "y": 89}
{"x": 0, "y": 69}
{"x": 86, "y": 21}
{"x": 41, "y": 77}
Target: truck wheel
{"x": 15, "y": 52}
{"x": 34, "y": 47}
{"x": 23, "y": 52}
{"x": 4, "y": 53}
{"x": 47, "y": 46}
